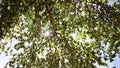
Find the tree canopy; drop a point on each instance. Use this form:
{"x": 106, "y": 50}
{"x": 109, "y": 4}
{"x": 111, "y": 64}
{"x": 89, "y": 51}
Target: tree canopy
{"x": 59, "y": 33}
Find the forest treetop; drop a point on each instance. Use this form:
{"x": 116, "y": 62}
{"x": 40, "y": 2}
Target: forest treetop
{"x": 61, "y": 29}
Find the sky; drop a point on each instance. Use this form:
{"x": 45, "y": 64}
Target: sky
{"x": 115, "y": 63}
{"x": 4, "y": 59}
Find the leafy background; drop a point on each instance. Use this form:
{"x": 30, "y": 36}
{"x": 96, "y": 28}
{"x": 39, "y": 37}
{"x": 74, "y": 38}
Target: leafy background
{"x": 72, "y": 33}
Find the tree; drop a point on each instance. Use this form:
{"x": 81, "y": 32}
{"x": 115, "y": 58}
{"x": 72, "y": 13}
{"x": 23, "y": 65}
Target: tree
{"x": 59, "y": 33}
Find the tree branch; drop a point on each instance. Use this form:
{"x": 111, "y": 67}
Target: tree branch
{"x": 51, "y": 21}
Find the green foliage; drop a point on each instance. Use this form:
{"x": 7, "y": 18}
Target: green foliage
{"x": 59, "y": 33}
